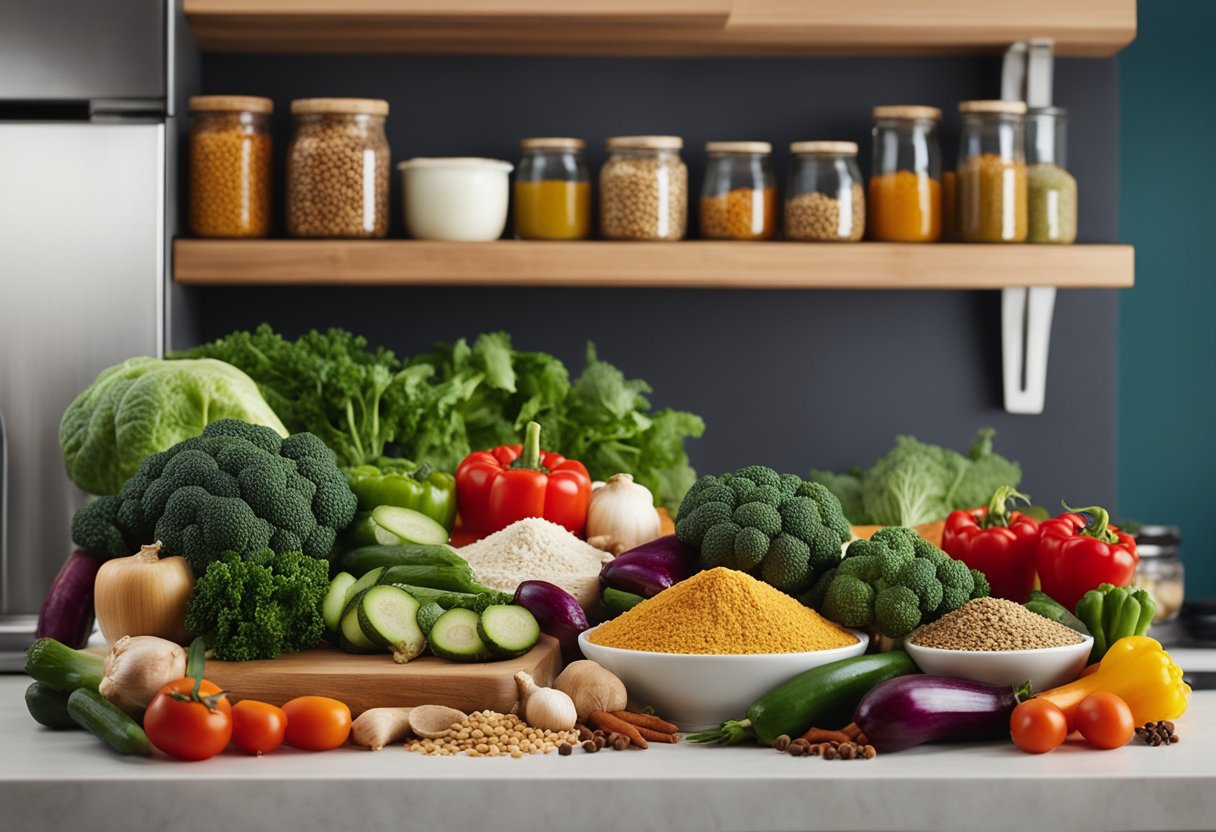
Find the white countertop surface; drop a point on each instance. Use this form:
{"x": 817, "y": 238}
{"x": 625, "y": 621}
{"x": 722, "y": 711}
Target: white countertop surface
{"x": 69, "y": 781}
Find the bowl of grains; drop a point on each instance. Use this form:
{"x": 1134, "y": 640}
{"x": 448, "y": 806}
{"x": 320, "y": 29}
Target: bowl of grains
{"x": 701, "y": 651}
{"x": 999, "y": 642}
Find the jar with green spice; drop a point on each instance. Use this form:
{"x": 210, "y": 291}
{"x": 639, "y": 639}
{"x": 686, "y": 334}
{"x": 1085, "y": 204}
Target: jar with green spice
{"x": 1051, "y": 189}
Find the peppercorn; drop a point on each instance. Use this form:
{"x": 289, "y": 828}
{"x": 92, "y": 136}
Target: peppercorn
{"x": 830, "y": 753}
{"x": 565, "y": 749}
{"x": 847, "y": 751}
{"x": 1157, "y": 733}
{"x": 590, "y": 747}
{"x": 869, "y": 752}
{"x": 620, "y": 742}
{"x": 782, "y": 742}
{"x": 796, "y": 750}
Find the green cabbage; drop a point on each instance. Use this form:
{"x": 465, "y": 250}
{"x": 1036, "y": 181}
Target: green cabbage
{"x": 145, "y": 405}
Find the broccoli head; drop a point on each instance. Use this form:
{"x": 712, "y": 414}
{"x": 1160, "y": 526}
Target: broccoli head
{"x": 893, "y": 583}
{"x": 260, "y": 605}
{"x": 236, "y": 488}
{"x": 785, "y": 531}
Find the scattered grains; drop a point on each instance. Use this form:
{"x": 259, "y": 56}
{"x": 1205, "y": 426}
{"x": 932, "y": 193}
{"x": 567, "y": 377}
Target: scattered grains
{"x": 992, "y": 199}
{"x": 818, "y": 217}
{"x": 740, "y": 214}
{"x": 1052, "y": 208}
{"x": 644, "y": 189}
{"x": 994, "y": 624}
{"x": 535, "y": 549}
{"x": 721, "y": 611}
{"x": 512, "y": 737}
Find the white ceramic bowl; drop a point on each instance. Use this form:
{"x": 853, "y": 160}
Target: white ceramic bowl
{"x": 455, "y": 198}
{"x": 698, "y": 692}
{"x": 1045, "y": 668}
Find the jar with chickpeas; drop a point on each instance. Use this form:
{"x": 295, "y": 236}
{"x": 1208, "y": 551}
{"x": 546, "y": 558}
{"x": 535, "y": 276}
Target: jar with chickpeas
{"x": 644, "y": 189}
{"x": 338, "y": 169}
{"x": 229, "y": 166}
{"x": 739, "y": 196}
{"x": 825, "y": 201}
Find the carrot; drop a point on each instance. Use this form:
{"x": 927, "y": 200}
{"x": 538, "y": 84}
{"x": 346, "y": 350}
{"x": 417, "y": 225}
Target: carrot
{"x": 647, "y": 721}
{"x": 656, "y": 736}
{"x": 821, "y": 735}
{"x": 608, "y": 722}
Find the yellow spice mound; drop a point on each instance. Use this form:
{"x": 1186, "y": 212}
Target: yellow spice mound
{"x": 721, "y": 611}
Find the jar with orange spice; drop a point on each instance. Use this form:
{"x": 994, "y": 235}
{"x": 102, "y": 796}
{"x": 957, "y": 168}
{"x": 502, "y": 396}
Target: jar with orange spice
{"x": 229, "y": 166}
{"x": 739, "y": 196}
{"x": 905, "y": 193}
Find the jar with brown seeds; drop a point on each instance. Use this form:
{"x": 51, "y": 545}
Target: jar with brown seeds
{"x": 338, "y": 169}
{"x": 825, "y": 200}
{"x": 229, "y": 166}
{"x": 644, "y": 189}
{"x": 992, "y": 183}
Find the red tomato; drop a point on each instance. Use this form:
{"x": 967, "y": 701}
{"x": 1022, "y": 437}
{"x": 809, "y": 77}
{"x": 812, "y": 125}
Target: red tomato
{"x": 1038, "y": 726}
{"x": 1104, "y": 720}
{"x": 257, "y": 727}
{"x": 317, "y": 723}
{"x": 188, "y": 730}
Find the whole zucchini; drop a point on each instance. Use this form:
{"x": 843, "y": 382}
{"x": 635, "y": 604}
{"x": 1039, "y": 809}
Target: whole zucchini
{"x": 48, "y": 706}
{"x": 366, "y": 558}
{"x": 825, "y": 696}
{"x": 105, "y": 721}
{"x": 62, "y": 668}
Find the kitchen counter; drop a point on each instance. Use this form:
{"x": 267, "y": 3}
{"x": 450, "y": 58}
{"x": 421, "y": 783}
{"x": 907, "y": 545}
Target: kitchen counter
{"x": 68, "y": 780}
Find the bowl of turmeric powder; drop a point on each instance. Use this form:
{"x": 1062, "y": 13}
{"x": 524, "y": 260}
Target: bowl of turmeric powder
{"x": 701, "y": 651}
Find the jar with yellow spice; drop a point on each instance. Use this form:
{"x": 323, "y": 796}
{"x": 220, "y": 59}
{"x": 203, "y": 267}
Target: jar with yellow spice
{"x": 229, "y": 166}
{"x": 739, "y": 195}
{"x": 992, "y": 186}
{"x": 552, "y": 190}
{"x": 905, "y": 192}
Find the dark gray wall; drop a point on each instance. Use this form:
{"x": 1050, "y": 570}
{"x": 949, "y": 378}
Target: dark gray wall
{"x": 792, "y": 379}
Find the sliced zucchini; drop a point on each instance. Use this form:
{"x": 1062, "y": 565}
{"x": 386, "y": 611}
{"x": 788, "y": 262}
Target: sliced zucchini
{"x": 428, "y": 614}
{"x": 351, "y": 637}
{"x": 365, "y": 531}
{"x": 454, "y": 637}
{"x": 368, "y": 580}
{"x": 409, "y": 525}
{"x": 389, "y": 617}
{"x": 508, "y": 630}
{"x": 335, "y": 599}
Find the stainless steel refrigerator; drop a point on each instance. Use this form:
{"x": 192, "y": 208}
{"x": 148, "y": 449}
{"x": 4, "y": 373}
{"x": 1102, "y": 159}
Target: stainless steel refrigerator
{"x": 86, "y": 145}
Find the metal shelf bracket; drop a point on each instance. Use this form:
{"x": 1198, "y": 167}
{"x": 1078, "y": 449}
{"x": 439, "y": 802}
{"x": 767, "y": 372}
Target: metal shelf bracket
{"x": 1026, "y": 312}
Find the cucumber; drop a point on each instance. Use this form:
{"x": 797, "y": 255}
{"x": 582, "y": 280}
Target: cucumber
{"x": 508, "y": 630}
{"x": 369, "y": 580}
{"x": 365, "y": 531}
{"x": 388, "y": 616}
{"x": 428, "y": 614}
{"x": 62, "y": 668}
{"x": 365, "y": 558}
{"x": 104, "y": 720}
{"x": 454, "y": 637}
{"x": 619, "y": 601}
{"x": 447, "y": 577}
{"x": 351, "y": 637}
{"x": 409, "y": 525}
{"x": 335, "y": 599}
{"x": 468, "y": 600}
{"x": 48, "y": 706}
{"x": 825, "y": 695}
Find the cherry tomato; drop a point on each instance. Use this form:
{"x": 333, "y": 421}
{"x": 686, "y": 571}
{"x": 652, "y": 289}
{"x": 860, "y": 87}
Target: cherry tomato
{"x": 188, "y": 730}
{"x": 317, "y": 723}
{"x": 1104, "y": 720}
{"x": 1038, "y": 726}
{"x": 257, "y": 727}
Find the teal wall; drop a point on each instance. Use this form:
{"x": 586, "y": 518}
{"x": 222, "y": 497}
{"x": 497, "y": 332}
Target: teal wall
{"x": 1167, "y": 342}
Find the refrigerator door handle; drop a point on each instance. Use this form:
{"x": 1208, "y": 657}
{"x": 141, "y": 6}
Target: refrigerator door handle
{"x": 3, "y": 515}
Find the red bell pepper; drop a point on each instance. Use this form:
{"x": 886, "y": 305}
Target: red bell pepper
{"x": 1000, "y": 543}
{"x": 1075, "y": 556}
{"x": 495, "y": 488}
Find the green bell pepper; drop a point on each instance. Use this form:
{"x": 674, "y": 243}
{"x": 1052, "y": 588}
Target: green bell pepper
{"x": 1112, "y": 613}
{"x": 425, "y": 490}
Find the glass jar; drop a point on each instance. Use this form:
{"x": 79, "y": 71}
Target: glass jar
{"x": 338, "y": 168}
{"x": 644, "y": 189}
{"x": 1160, "y": 571}
{"x": 825, "y": 201}
{"x": 905, "y": 198}
{"x": 739, "y": 195}
{"x": 229, "y": 166}
{"x": 992, "y": 172}
{"x": 552, "y": 191}
{"x": 1051, "y": 189}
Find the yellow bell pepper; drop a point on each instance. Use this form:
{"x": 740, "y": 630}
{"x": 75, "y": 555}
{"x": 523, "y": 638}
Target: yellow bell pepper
{"x": 1136, "y": 670}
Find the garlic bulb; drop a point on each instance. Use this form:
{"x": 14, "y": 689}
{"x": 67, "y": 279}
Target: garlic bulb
{"x": 144, "y": 595}
{"x": 544, "y": 708}
{"x": 622, "y": 515}
{"x": 136, "y": 668}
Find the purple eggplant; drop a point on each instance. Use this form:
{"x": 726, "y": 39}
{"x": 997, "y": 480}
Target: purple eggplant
{"x": 67, "y": 611}
{"x": 649, "y": 569}
{"x": 909, "y": 710}
{"x": 556, "y": 611}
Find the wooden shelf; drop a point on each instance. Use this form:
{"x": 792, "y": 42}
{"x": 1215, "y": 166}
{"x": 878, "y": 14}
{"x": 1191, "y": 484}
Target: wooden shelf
{"x": 1089, "y": 28}
{"x": 689, "y": 264}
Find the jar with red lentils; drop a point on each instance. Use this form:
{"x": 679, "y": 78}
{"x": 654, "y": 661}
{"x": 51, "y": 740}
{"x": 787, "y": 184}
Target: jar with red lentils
{"x": 739, "y": 196}
{"x": 229, "y": 166}
{"x": 338, "y": 169}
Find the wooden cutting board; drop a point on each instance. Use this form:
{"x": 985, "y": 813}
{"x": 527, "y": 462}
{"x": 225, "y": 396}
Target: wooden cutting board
{"x": 364, "y": 682}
